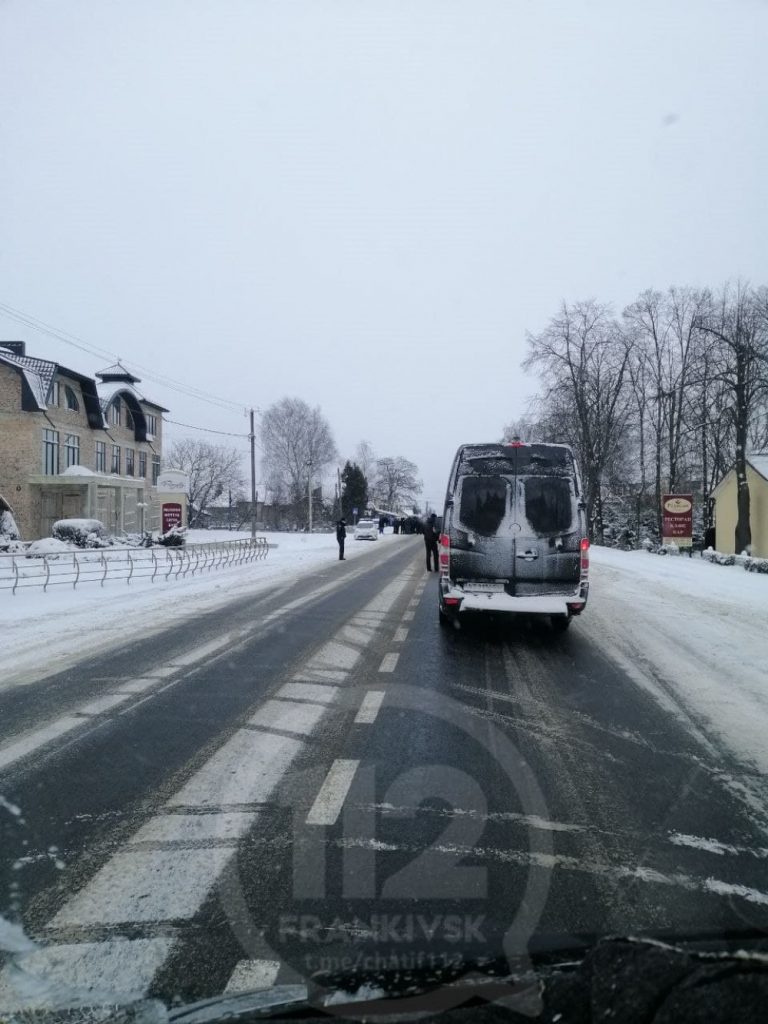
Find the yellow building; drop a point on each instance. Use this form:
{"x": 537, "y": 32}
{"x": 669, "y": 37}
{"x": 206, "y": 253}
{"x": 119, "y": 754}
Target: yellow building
{"x": 725, "y": 508}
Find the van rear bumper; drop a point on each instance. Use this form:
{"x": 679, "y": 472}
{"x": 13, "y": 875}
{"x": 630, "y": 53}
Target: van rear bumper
{"x": 456, "y": 599}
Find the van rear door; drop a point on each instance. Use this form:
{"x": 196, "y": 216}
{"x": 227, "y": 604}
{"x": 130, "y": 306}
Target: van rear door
{"x": 481, "y": 528}
{"x": 546, "y": 513}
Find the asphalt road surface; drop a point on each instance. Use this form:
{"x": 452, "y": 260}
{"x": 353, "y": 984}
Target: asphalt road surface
{"x": 322, "y": 778}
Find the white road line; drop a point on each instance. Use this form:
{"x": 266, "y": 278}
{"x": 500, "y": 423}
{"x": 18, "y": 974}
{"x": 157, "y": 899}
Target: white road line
{"x": 400, "y": 634}
{"x": 389, "y": 662}
{"x": 333, "y": 792}
{"x": 34, "y": 740}
{"x": 146, "y": 885}
{"x": 408, "y": 616}
{"x": 245, "y": 770}
{"x": 137, "y": 685}
{"x": 252, "y": 975}
{"x": 82, "y": 974}
{"x": 288, "y": 716}
{"x": 183, "y": 828}
{"x": 198, "y": 653}
{"x": 102, "y": 704}
{"x": 319, "y": 693}
{"x": 369, "y": 708}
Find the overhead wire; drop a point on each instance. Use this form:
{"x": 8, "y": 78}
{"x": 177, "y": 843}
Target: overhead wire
{"x": 28, "y": 320}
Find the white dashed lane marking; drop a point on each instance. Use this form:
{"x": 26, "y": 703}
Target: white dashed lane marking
{"x": 34, "y": 740}
{"x": 369, "y": 708}
{"x": 252, "y": 975}
{"x": 333, "y": 792}
{"x": 388, "y": 662}
{"x": 400, "y": 634}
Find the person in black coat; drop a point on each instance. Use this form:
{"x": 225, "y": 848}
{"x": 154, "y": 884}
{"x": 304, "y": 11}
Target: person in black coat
{"x": 341, "y": 533}
{"x": 431, "y": 537}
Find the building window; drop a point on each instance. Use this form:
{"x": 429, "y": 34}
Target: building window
{"x": 50, "y": 452}
{"x": 101, "y": 457}
{"x": 151, "y": 424}
{"x": 71, "y": 398}
{"x": 114, "y": 413}
{"x": 155, "y": 468}
{"x": 142, "y": 464}
{"x": 116, "y": 459}
{"x": 129, "y": 419}
{"x": 54, "y": 395}
{"x": 72, "y": 449}
{"x": 129, "y": 457}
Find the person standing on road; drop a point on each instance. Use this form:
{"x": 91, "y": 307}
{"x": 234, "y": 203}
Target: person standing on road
{"x": 341, "y": 533}
{"x": 430, "y": 540}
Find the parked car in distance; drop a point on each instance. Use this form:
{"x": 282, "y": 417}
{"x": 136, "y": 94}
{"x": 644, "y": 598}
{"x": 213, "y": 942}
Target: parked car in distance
{"x": 367, "y": 529}
{"x": 514, "y": 536}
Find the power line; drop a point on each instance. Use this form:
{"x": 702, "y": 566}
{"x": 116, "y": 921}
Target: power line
{"x": 207, "y": 430}
{"x": 93, "y": 350}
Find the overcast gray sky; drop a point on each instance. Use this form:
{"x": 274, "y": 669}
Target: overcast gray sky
{"x": 367, "y": 204}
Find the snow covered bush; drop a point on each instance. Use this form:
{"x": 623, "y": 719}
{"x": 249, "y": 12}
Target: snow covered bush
{"x": 83, "y": 533}
{"x": 47, "y": 546}
{"x": 669, "y": 549}
{"x": 176, "y": 537}
{"x": 756, "y": 565}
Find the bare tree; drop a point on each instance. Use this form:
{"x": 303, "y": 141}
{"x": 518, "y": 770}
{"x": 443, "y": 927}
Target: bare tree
{"x": 397, "y": 483}
{"x": 584, "y": 356}
{"x": 211, "y": 468}
{"x": 297, "y": 446}
{"x": 365, "y": 457}
{"x": 737, "y": 322}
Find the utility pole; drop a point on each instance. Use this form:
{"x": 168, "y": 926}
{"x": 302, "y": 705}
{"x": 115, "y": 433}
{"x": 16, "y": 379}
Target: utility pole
{"x": 309, "y": 492}
{"x": 338, "y": 482}
{"x": 253, "y": 479}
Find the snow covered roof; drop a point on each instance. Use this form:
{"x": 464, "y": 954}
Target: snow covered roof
{"x": 38, "y": 375}
{"x": 759, "y": 462}
{"x": 117, "y": 372}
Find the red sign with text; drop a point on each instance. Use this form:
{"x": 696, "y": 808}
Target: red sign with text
{"x": 677, "y": 519}
{"x": 171, "y": 512}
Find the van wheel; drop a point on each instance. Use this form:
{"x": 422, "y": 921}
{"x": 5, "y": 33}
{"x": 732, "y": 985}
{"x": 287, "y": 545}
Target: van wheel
{"x": 442, "y": 617}
{"x": 560, "y": 623}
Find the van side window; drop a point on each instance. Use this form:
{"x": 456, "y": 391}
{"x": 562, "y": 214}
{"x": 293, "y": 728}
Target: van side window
{"x": 483, "y": 503}
{"x": 548, "y": 504}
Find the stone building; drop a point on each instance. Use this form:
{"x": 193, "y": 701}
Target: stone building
{"x": 72, "y": 446}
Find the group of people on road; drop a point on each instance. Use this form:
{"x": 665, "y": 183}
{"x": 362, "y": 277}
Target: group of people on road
{"x": 429, "y": 529}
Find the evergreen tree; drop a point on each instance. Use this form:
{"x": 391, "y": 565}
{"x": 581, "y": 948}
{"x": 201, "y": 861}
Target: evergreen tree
{"x": 354, "y": 490}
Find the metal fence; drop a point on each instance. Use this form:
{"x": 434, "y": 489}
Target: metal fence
{"x": 71, "y": 568}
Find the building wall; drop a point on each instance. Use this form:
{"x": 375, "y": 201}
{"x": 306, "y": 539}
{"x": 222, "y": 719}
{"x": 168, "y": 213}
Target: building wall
{"x": 726, "y": 513}
{"x": 21, "y": 458}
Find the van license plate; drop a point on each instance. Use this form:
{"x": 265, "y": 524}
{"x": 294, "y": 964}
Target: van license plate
{"x": 484, "y": 588}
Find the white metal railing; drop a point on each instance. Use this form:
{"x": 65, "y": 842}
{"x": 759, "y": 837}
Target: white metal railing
{"x": 96, "y": 565}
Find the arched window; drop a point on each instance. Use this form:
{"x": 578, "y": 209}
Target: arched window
{"x": 114, "y": 413}
{"x": 71, "y": 397}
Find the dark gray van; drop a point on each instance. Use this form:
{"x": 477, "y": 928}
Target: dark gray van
{"x": 514, "y": 535}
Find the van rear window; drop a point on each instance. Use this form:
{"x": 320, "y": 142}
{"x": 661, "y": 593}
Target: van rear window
{"x": 483, "y": 503}
{"x": 548, "y": 505}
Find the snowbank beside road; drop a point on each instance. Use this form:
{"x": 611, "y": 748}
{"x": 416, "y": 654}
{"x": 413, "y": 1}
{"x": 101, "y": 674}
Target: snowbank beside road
{"x": 693, "y": 633}
{"x": 41, "y": 633}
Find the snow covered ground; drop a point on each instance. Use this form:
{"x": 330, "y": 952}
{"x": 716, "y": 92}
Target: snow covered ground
{"x": 41, "y": 633}
{"x": 695, "y": 634}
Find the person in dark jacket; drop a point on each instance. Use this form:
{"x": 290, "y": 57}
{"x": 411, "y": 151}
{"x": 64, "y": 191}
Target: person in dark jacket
{"x": 430, "y": 540}
{"x": 341, "y": 533}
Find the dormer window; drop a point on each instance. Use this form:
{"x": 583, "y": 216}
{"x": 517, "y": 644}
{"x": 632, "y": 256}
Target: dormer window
{"x": 54, "y": 395}
{"x": 151, "y": 424}
{"x": 114, "y": 413}
{"x": 71, "y": 399}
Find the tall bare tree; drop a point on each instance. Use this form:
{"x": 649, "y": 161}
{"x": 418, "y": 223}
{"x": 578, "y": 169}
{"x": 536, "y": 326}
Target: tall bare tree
{"x": 212, "y": 469}
{"x": 583, "y": 355}
{"x": 297, "y": 446}
{"x": 397, "y": 482}
{"x": 736, "y": 321}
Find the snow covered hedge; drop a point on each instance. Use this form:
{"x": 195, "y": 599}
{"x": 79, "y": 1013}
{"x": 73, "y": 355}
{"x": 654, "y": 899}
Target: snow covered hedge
{"x": 746, "y": 561}
{"x": 83, "y": 533}
{"x": 756, "y": 564}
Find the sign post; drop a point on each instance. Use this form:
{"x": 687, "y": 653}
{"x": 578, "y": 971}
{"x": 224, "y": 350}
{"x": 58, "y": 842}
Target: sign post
{"x": 171, "y": 515}
{"x": 677, "y": 519}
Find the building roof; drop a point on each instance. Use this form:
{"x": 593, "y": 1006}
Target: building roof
{"x": 759, "y": 462}
{"x": 37, "y": 373}
{"x": 117, "y": 372}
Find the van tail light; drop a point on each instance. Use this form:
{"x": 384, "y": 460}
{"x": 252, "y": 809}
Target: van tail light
{"x": 584, "y": 546}
{"x": 444, "y": 554}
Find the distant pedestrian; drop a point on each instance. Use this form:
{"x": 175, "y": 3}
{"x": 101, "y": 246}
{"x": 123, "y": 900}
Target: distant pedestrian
{"x": 396, "y": 526}
{"x": 341, "y": 533}
{"x": 382, "y": 522}
{"x": 430, "y": 541}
